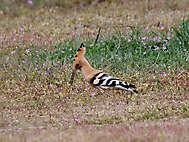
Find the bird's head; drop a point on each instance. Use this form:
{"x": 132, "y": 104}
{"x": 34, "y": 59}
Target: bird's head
{"x": 78, "y": 61}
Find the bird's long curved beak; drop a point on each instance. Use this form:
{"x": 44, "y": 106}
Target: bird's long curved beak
{"x": 72, "y": 77}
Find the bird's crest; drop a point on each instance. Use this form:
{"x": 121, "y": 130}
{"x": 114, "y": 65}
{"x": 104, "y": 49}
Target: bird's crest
{"x": 80, "y": 51}
{"x": 77, "y": 61}
{"x": 78, "y": 57}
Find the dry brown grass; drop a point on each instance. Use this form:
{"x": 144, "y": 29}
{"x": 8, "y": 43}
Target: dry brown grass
{"x": 141, "y": 132}
{"x": 30, "y": 111}
{"x": 63, "y": 23}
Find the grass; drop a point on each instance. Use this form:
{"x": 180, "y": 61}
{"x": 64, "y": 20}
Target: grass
{"x": 37, "y": 48}
{"x": 139, "y": 49}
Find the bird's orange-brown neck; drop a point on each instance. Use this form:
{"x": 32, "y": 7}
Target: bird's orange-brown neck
{"x": 87, "y": 70}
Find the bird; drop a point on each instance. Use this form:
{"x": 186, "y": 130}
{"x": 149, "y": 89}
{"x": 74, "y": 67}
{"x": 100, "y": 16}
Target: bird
{"x": 95, "y": 77}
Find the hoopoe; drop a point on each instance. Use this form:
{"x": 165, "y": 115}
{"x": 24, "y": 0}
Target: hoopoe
{"x": 96, "y": 77}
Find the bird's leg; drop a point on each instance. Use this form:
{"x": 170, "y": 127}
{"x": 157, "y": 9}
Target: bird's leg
{"x": 99, "y": 90}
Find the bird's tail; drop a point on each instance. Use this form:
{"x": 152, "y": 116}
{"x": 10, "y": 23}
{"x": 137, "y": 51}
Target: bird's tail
{"x": 126, "y": 86}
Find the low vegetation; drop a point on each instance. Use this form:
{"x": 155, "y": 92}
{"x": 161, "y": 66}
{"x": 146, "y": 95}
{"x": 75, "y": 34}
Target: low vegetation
{"x": 37, "y": 48}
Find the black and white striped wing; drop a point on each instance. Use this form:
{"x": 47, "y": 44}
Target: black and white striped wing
{"x": 105, "y": 81}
